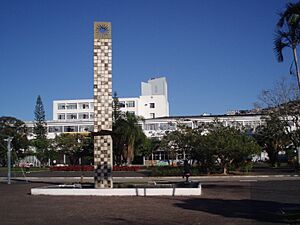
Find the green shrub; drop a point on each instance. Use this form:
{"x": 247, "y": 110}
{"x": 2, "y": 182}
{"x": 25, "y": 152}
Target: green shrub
{"x": 173, "y": 171}
{"x": 246, "y": 166}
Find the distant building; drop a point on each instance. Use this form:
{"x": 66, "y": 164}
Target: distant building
{"x": 152, "y": 103}
{"x": 78, "y": 115}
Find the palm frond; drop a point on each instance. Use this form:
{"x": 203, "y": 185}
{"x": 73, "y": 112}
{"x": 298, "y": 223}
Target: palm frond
{"x": 280, "y": 22}
{"x": 288, "y": 13}
{"x": 279, "y": 45}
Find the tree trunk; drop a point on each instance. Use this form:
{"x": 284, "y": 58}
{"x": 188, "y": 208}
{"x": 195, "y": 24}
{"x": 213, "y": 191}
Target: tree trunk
{"x": 130, "y": 155}
{"x": 296, "y": 65}
{"x": 225, "y": 170}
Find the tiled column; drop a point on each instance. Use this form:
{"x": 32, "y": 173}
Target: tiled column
{"x": 103, "y": 104}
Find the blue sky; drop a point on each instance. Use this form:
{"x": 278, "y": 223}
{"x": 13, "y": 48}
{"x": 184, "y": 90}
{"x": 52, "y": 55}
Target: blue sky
{"x": 216, "y": 55}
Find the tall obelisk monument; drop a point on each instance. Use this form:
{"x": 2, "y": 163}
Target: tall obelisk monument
{"x": 103, "y": 104}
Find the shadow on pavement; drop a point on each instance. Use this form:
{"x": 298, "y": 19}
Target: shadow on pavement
{"x": 265, "y": 211}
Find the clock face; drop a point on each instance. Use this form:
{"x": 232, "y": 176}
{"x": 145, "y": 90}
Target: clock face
{"x": 102, "y": 30}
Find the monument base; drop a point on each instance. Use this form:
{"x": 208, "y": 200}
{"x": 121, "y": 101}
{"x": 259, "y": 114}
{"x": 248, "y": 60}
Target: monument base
{"x": 77, "y": 190}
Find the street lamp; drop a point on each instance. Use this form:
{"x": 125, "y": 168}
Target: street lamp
{"x": 9, "y": 139}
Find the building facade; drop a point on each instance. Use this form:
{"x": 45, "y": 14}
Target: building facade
{"x": 152, "y": 103}
{"x": 157, "y": 127}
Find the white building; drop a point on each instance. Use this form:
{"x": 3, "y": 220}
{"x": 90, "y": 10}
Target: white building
{"x": 77, "y": 115}
{"x": 152, "y": 103}
{"x": 157, "y": 127}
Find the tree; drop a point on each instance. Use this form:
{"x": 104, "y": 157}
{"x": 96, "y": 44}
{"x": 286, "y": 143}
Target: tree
{"x": 203, "y": 151}
{"x": 170, "y": 145}
{"x": 181, "y": 142}
{"x": 288, "y": 34}
{"x": 12, "y": 127}
{"x": 116, "y": 108}
{"x": 231, "y": 146}
{"x": 133, "y": 134}
{"x": 128, "y": 136}
{"x": 212, "y": 143}
{"x": 272, "y": 137}
{"x": 75, "y": 146}
{"x": 281, "y": 105}
{"x": 40, "y": 125}
{"x": 40, "y": 142}
{"x": 149, "y": 146}
{"x": 285, "y": 90}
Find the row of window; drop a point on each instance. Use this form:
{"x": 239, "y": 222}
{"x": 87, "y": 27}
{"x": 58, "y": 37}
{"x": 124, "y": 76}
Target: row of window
{"x": 81, "y": 105}
{"x": 75, "y": 116}
{"x": 172, "y": 126}
{"x": 127, "y": 104}
{"x": 60, "y": 129}
{"x": 130, "y": 104}
{"x": 87, "y": 105}
{"x": 148, "y": 127}
{"x": 160, "y": 126}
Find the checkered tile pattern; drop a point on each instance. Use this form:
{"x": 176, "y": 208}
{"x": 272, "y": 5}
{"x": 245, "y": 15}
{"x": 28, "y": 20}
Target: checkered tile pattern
{"x": 103, "y": 105}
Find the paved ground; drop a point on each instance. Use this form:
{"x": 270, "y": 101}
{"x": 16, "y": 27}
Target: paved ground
{"x": 231, "y": 202}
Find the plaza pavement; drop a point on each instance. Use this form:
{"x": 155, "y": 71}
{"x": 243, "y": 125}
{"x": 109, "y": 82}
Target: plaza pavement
{"x": 222, "y": 202}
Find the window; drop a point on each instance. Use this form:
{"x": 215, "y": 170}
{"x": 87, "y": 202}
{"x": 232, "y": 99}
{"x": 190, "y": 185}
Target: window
{"x": 164, "y": 126}
{"x": 152, "y": 105}
{"x": 152, "y": 115}
{"x": 84, "y": 105}
{"x": 190, "y": 125}
{"x": 85, "y": 128}
{"x": 71, "y": 116}
{"x": 55, "y": 129}
{"x": 130, "y": 104}
{"x": 122, "y": 104}
{"x": 61, "y": 106}
{"x": 61, "y": 116}
{"x": 71, "y": 106}
{"x": 91, "y": 115}
{"x": 151, "y": 126}
{"x": 71, "y": 129}
{"x": 83, "y": 116}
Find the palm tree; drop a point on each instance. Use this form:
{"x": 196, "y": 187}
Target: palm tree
{"x": 128, "y": 136}
{"x": 287, "y": 34}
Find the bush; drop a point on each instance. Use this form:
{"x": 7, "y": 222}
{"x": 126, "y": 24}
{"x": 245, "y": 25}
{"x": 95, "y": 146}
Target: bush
{"x": 246, "y": 166}
{"x": 126, "y": 168}
{"x": 173, "y": 171}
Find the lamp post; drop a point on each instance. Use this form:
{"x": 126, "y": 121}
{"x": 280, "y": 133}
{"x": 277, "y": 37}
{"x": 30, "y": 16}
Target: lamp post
{"x": 298, "y": 156}
{"x": 8, "y": 159}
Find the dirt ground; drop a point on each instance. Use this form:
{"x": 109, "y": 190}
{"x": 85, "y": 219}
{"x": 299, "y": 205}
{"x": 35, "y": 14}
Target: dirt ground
{"x": 220, "y": 203}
